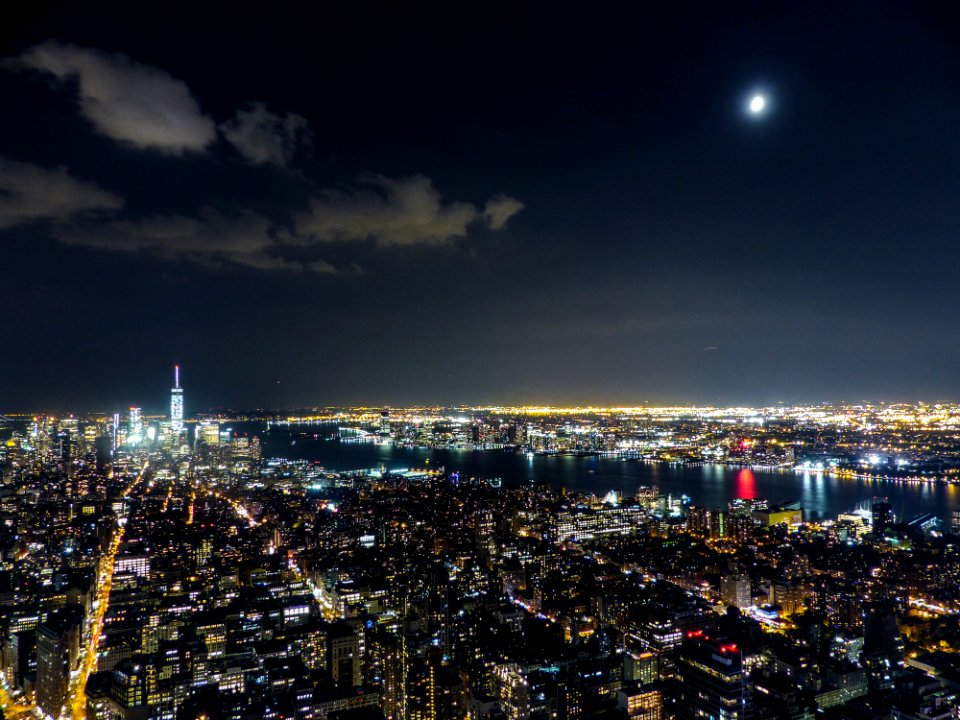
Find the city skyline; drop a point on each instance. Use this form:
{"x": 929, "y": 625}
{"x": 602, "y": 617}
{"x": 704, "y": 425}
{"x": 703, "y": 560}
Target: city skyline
{"x": 632, "y": 565}
{"x": 741, "y": 205}
{"x": 388, "y": 361}
{"x": 177, "y": 411}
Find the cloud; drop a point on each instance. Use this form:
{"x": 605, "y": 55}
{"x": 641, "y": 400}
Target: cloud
{"x": 30, "y": 193}
{"x": 390, "y": 213}
{"x": 408, "y": 211}
{"x": 212, "y": 239}
{"x": 265, "y": 138}
{"x": 500, "y": 209}
{"x": 136, "y": 104}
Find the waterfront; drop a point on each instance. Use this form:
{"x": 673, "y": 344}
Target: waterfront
{"x": 822, "y": 495}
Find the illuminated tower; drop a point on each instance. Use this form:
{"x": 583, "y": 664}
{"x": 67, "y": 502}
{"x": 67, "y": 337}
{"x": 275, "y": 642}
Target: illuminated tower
{"x": 176, "y": 402}
{"x": 136, "y": 422}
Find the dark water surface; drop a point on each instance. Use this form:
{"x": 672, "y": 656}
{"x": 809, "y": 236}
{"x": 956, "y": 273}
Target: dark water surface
{"x": 710, "y": 485}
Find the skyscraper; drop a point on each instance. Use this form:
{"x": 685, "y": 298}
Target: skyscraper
{"x": 512, "y": 688}
{"x": 176, "y": 402}
{"x": 883, "y": 648}
{"x": 882, "y": 517}
{"x": 712, "y": 682}
{"x": 52, "y": 668}
{"x": 735, "y": 590}
{"x": 58, "y": 650}
{"x": 135, "y": 426}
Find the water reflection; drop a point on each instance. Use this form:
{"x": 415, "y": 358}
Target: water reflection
{"x": 746, "y": 484}
{"x": 712, "y": 485}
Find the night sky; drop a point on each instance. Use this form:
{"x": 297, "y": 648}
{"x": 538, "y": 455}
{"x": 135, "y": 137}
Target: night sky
{"x": 484, "y": 204}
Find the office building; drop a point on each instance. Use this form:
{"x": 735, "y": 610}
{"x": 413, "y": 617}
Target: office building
{"x": 176, "y": 403}
{"x": 711, "y": 682}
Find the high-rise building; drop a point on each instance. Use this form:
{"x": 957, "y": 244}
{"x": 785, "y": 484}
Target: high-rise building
{"x": 883, "y": 647}
{"x": 385, "y": 649}
{"x": 698, "y": 520}
{"x": 512, "y": 689}
{"x": 176, "y": 402}
{"x": 64, "y": 448}
{"x": 128, "y": 689}
{"x": 344, "y": 653}
{"x": 882, "y": 513}
{"x": 740, "y": 528}
{"x": 52, "y": 671}
{"x": 641, "y": 702}
{"x": 135, "y": 425}
{"x": 641, "y": 666}
{"x": 711, "y": 682}
{"x": 58, "y": 647}
{"x": 433, "y": 689}
{"x": 208, "y": 433}
{"x": 718, "y": 524}
{"x": 735, "y": 590}
{"x": 485, "y": 530}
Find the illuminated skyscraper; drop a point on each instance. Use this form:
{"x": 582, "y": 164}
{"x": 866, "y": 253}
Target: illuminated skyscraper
{"x": 512, "y": 688}
{"x": 176, "y": 402}
{"x": 735, "y": 590}
{"x": 135, "y": 425}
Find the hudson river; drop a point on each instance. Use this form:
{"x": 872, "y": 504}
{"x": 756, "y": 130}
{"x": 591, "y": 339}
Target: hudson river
{"x": 710, "y": 485}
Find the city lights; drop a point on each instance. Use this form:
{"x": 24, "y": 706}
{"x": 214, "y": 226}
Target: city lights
{"x": 215, "y": 542}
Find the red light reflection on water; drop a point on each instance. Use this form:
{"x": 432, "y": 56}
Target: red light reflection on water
{"x": 746, "y": 484}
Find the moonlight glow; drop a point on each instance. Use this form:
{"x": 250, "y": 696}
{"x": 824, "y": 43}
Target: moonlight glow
{"x": 758, "y": 104}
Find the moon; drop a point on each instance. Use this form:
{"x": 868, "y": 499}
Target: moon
{"x": 758, "y": 104}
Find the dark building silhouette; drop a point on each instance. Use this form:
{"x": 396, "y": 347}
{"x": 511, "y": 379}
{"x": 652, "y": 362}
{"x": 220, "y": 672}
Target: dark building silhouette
{"x": 882, "y": 517}
{"x": 882, "y": 647}
{"x": 711, "y": 682}
{"x": 58, "y": 650}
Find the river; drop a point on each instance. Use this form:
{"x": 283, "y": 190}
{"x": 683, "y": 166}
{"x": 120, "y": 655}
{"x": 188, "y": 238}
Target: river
{"x": 822, "y": 495}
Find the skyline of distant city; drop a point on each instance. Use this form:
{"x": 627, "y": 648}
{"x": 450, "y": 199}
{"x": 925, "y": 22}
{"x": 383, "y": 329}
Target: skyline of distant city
{"x": 442, "y": 564}
{"x": 179, "y": 392}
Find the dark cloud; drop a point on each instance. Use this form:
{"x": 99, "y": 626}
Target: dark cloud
{"x": 392, "y": 213}
{"x": 147, "y": 108}
{"x": 405, "y": 211}
{"x": 128, "y": 102}
{"x": 30, "y": 193}
{"x": 266, "y": 138}
{"x": 212, "y": 239}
